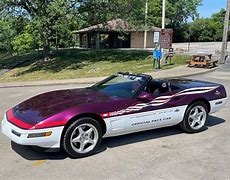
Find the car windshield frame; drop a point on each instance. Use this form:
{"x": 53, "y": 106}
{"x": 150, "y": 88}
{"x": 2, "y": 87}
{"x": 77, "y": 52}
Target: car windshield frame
{"x": 144, "y": 81}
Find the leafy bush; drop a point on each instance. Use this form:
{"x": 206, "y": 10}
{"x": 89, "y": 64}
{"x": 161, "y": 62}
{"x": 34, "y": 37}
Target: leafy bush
{"x": 23, "y": 43}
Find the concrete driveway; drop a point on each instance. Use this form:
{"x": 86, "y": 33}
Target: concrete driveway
{"x": 166, "y": 153}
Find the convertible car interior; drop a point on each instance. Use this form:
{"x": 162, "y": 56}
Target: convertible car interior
{"x": 157, "y": 87}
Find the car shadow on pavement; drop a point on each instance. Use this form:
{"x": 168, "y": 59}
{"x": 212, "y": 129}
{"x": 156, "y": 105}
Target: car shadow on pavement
{"x": 151, "y": 134}
{"x": 36, "y": 153}
{"x": 31, "y": 153}
{"x": 213, "y": 121}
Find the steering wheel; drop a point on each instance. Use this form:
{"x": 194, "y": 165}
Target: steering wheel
{"x": 147, "y": 89}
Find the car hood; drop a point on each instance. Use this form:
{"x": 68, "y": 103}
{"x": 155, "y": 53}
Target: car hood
{"x": 40, "y": 107}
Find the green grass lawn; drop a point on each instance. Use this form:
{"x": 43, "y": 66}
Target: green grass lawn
{"x": 74, "y": 63}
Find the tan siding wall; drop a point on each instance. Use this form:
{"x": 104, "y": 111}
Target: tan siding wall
{"x": 137, "y": 40}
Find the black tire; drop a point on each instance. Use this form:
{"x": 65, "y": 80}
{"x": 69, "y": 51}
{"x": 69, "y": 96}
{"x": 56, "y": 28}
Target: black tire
{"x": 70, "y": 147}
{"x": 185, "y": 124}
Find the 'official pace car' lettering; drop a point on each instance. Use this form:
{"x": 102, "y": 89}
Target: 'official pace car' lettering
{"x": 152, "y": 121}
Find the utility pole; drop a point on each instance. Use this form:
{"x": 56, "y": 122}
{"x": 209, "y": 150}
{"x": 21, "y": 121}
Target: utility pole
{"x": 163, "y": 27}
{"x": 146, "y": 26}
{"x": 225, "y": 35}
{"x": 163, "y": 14}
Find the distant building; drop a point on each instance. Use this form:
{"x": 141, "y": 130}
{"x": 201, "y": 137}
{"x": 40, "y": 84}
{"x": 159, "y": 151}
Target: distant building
{"x": 116, "y": 33}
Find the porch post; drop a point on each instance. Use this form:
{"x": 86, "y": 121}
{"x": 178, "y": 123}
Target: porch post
{"x": 88, "y": 40}
{"x": 80, "y": 39}
{"x": 98, "y": 41}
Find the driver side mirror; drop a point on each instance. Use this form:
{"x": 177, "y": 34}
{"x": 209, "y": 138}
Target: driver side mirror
{"x": 145, "y": 97}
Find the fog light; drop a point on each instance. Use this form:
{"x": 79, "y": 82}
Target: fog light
{"x": 34, "y": 135}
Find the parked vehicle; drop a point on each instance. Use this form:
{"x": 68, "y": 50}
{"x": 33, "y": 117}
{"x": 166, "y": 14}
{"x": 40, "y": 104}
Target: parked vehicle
{"x": 77, "y": 119}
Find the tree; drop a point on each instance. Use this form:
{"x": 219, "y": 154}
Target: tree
{"x": 218, "y": 19}
{"x": 7, "y": 33}
{"x": 94, "y": 12}
{"x": 47, "y": 16}
{"x": 208, "y": 29}
{"x": 178, "y": 11}
{"x": 203, "y": 30}
{"x": 23, "y": 43}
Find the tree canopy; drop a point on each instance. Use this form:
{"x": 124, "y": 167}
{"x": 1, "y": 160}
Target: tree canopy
{"x": 208, "y": 29}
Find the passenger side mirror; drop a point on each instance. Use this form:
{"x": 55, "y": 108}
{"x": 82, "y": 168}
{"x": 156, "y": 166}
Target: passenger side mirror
{"x": 145, "y": 97}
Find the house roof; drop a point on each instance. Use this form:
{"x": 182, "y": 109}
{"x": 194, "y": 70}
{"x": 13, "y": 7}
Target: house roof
{"x": 114, "y": 25}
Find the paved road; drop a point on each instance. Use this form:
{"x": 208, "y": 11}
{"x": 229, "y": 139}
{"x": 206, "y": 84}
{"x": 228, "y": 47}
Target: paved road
{"x": 166, "y": 153}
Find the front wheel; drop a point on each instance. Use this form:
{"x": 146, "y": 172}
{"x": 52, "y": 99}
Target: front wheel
{"x": 195, "y": 118}
{"x": 82, "y": 137}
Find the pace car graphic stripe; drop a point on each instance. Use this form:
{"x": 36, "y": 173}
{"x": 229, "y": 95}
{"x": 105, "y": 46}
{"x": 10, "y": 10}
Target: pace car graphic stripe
{"x": 23, "y": 125}
{"x": 160, "y": 100}
{"x": 17, "y": 122}
{"x": 50, "y": 124}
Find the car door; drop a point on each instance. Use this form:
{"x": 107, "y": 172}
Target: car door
{"x": 154, "y": 111}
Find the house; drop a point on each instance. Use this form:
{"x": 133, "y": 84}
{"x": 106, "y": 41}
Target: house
{"x": 116, "y": 33}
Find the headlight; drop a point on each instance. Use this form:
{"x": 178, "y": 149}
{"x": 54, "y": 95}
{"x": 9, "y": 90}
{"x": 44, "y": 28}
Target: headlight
{"x": 34, "y": 135}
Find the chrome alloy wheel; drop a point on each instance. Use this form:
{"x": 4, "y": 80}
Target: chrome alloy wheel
{"x": 197, "y": 117}
{"x": 84, "y": 138}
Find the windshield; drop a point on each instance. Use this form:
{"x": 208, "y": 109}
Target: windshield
{"x": 121, "y": 85}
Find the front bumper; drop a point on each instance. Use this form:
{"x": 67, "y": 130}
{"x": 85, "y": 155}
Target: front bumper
{"x": 20, "y": 136}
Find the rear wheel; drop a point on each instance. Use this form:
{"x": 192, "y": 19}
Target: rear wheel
{"x": 195, "y": 118}
{"x": 82, "y": 137}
